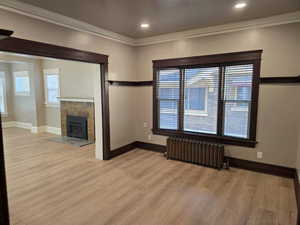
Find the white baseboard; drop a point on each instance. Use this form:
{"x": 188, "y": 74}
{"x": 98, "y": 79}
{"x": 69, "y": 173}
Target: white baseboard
{"x": 9, "y": 124}
{"x": 41, "y": 129}
{"x": 38, "y": 129}
{"x": 23, "y": 125}
{"x": 53, "y": 130}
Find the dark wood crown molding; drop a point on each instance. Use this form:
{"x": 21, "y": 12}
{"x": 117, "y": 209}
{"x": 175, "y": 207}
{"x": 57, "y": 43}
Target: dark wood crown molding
{"x": 280, "y": 80}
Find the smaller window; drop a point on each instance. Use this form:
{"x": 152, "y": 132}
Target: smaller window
{"x": 3, "y": 106}
{"x": 22, "y": 83}
{"x": 52, "y": 91}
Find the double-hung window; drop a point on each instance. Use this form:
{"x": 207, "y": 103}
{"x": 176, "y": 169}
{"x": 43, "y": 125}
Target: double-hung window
{"x": 212, "y": 98}
{"x": 52, "y": 90}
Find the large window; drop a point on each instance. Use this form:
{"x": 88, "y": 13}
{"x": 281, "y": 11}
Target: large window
{"x": 22, "y": 83}
{"x": 3, "y": 107}
{"x": 52, "y": 91}
{"x": 212, "y": 98}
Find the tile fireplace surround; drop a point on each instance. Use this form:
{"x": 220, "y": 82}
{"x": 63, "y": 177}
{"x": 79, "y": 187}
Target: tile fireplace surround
{"x": 78, "y": 107}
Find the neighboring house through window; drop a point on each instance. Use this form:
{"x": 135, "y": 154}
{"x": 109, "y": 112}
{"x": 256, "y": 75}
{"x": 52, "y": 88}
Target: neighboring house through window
{"x": 22, "y": 83}
{"x": 52, "y": 91}
{"x": 3, "y": 102}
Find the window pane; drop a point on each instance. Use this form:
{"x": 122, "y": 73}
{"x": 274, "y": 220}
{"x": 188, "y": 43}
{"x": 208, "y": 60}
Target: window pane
{"x": 236, "y": 120}
{"x": 22, "y": 84}
{"x": 201, "y": 100}
{"x": 195, "y": 98}
{"x": 52, "y": 95}
{"x": 168, "y": 97}
{"x": 52, "y": 88}
{"x": 237, "y": 98}
{"x": 168, "y": 114}
{"x": 52, "y": 81}
{"x": 238, "y": 82}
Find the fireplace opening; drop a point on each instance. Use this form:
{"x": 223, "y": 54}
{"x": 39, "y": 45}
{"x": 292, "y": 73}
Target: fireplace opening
{"x": 77, "y": 127}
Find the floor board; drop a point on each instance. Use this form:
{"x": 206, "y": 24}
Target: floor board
{"x": 52, "y": 183}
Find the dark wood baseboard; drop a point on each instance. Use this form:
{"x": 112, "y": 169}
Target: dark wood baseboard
{"x": 122, "y": 150}
{"x": 297, "y": 193}
{"x": 137, "y": 144}
{"x": 150, "y": 146}
{"x": 262, "y": 167}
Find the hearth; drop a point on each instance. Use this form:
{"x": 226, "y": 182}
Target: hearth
{"x": 77, "y": 127}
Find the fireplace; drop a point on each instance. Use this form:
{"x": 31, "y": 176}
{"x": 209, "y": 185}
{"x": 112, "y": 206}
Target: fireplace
{"x": 77, "y": 127}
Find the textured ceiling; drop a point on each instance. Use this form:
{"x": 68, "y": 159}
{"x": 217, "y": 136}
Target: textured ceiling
{"x": 164, "y": 16}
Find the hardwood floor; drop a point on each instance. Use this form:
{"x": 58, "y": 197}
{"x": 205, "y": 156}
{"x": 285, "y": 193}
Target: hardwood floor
{"x": 51, "y": 183}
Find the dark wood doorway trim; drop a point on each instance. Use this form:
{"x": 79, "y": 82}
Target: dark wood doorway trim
{"x": 22, "y": 46}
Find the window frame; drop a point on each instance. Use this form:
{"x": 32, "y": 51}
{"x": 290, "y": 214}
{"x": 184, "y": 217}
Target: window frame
{"x": 3, "y": 77}
{"x": 50, "y": 72}
{"x": 219, "y": 60}
{"x": 24, "y": 73}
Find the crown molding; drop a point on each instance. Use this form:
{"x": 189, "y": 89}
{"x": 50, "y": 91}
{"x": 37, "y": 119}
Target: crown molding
{"x": 58, "y": 19}
{"x": 222, "y": 29}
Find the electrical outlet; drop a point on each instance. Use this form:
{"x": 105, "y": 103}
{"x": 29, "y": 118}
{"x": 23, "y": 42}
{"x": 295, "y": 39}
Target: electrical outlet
{"x": 145, "y": 124}
{"x": 149, "y": 137}
{"x": 259, "y": 155}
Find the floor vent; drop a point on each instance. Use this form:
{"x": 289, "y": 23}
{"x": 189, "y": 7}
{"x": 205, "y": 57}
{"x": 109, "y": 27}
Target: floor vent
{"x": 198, "y": 152}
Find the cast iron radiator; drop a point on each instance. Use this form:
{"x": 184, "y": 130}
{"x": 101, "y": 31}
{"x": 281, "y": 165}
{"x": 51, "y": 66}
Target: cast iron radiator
{"x": 199, "y": 152}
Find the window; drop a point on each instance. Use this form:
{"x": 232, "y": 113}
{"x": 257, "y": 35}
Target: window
{"x": 212, "y": 98}
{"x": 3, "y": 107}
{"x": 52, "y": 91}
{"x": 22, "y": 83}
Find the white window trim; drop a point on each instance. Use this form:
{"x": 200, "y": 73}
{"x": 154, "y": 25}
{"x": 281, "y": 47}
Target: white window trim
{"x": 3, "y": 76}
{"x": 48, "y": 72}
{"x": 21, "y": 74}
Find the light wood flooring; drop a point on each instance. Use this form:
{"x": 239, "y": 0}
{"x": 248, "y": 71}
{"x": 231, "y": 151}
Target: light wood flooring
{"x": 55, "y": 184}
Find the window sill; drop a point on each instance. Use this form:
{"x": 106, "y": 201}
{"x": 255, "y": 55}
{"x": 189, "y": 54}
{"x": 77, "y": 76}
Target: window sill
{"x": 4, "y": 114}
{"x": 207, "y": 137}
{"x": 19, "y": 94}
{"x": 52, "y": 105}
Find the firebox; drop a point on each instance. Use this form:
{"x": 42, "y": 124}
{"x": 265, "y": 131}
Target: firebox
{"x": 77, "y": 127}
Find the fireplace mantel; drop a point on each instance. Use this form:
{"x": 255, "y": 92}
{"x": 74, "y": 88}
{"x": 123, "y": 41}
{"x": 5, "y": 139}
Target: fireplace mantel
{"x": 75, "y": 99}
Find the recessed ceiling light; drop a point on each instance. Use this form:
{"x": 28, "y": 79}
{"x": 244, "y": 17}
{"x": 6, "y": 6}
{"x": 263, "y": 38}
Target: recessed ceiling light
{"x": 145, "y": 25}
{"x": 240, "y": 5}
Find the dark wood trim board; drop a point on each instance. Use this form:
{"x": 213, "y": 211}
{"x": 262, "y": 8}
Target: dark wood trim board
{"x": 122, "y": 150}
{"x": 261, "y": 167}
{"x": 150, "y": 146}
{"x": 262, "y": 80}
{"x": 131, "y": 83}
{"x": 280, "y": 80}
{"x": 297, "y": 193}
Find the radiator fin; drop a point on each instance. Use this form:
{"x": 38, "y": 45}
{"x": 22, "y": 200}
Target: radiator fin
{"x": 198, "y": 152}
